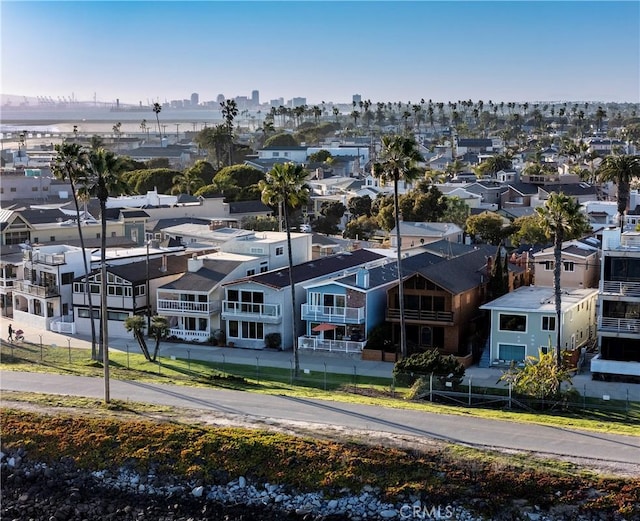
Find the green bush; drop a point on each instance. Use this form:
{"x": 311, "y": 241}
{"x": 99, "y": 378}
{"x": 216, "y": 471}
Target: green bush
{"x": 273, "y": 340}
{"x": 444, "y": 368}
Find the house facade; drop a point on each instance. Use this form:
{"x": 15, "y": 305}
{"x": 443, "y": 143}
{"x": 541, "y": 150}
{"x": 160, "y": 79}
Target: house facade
{"x": 619, "y": 300}
{"x": 339, "y": 313}
{"x": 525, "y": 321}
{"x": 580, "y": 265}
{"x": 44, "y": 295}
{"x": 261, "y": 304}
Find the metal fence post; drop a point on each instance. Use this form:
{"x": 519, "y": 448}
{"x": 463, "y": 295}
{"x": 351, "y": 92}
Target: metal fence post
{"x": 189, "y": 359}
{"x": 325, "y": 376}
{"x": 69, "y": 345}
{"x": 223, "y": 364}
{"x": 509, "y": 395}
{"x": 41, "y": 349}
{"x": 258, "y": 369}
{"x": 291, "y": 372}
{"x": 355, "y": 377}
{"x": 128, "y": 367}
{"x": 584, "y": 397}
{"x": 431, "y": 387}
{"x": 469, "y": 391}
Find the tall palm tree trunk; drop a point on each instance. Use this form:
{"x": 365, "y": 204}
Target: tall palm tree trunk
{"x": 396, "y": 211}
{"x": 557, "y": 253}
{"x": 104, "y": 318}
{"x": 87, "y": 293}
{"x": 296, "y": 360}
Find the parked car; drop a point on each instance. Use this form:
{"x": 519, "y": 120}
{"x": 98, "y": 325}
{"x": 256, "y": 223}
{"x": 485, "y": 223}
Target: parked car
{"x": 305, "y": 228}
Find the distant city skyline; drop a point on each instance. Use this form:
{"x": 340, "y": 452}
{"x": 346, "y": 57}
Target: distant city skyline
{"x": 143, "y": 52}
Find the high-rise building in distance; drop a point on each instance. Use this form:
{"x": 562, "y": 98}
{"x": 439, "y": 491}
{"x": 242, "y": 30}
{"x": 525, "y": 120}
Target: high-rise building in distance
{"x": 195, "y": 99}
{"x": 255, "y": 98}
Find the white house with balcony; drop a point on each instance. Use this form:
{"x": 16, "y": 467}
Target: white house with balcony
{"x": 44, "y": 296}
{"x": 339, "y": 313}
{"x": 192, "y": 302}
{"x": 258, "y": 305}
{"x": 130, "y": 291}
{"x": 10, "y": 273}
{"x": 619, "y": 299}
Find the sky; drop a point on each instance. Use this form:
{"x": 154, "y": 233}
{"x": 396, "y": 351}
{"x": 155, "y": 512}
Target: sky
{"x": 148, "y": 51}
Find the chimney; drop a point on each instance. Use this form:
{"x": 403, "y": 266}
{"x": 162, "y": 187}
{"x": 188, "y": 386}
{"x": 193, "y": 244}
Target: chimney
{"x": 163, "y": 266}
{"x": 194, "y": 264}
{"x": 489, "y": 265}
{"x": 362, "y": 278}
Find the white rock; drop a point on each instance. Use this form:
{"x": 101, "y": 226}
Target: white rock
{"x": 388, "y": 514}
{"x": 331, "y": 505}
{"x": 198, "y": 491}
{"x": 242, "y": 482}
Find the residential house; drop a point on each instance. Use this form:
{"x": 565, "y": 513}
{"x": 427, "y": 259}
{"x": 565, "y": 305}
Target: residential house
{"x": 581, "y": 192}
{"x": 261, "y": 304}
{"x": 518, "y": 195}
{"x": 580, "y": 265}
{"x": 295, "y": 154}
{"x": 415, "y": 234}
{"x": 475, "y": 145}
{"x": 490, "y": 191}
{"x": 339, "y": 313}
{"x": 11, "y": 272}
{"x": 193, "y": 301}
{"x": 32, "y": 184}
{"x": 442, "y": 295}
{"x": 524, "y": 321}
{"x": 619, "y": 303}
{"x": 178, "y": 157}
{"x": 45, "y": 293}
{"x": 130, "y": 290}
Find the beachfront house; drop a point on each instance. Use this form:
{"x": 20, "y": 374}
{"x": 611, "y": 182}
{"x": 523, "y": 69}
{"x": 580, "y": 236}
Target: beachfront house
{"x": 525, "y": 321}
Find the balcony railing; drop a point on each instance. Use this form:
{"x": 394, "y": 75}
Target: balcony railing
{"x": 270, "y": 313}
{"x": 332, "y": 314}
{"x": 335, "y": 346}
{"x": 38, "y": 291}
{"x": 630, "y": 289}
{"x": 190, "y": 334}
{"x": 619, "y": 325}
{"x": 421, "y": 315}
{"x": 52, "y": 259}
{"x": 186, "y": 306}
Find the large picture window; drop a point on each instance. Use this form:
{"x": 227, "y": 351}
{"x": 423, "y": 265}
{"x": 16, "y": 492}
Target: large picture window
{"x": 510, "y": 322}
{"x": 548, "y": 323}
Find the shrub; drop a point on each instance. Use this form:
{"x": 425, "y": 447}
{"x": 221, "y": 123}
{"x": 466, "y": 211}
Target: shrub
{"x": 380, "y": 338}
{"x": 445, "y": 368}
{"x": 273, "y": 340}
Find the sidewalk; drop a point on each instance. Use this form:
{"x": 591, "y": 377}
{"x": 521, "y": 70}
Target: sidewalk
{"x": 313, "y": 362}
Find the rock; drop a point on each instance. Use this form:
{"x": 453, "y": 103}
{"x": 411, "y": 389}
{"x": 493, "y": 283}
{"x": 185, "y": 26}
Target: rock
{"x": 242, "y": 482}
{"x": 198, "y": 491}
{"x": 388, "y": 514}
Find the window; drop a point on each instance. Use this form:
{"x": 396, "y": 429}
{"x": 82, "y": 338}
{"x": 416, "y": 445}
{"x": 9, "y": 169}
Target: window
{"x": 251, "y": 272}
{"x": 252, "y": 330}
{"x": 233, "y": 328}
{"x": 52, "y": 238}
{"x": 567, "y": 266}
{"x": 78, "y": 287}
{"x": 548, "y": 265}
{"x": 280, "y": 250}
{"x": 67, "y": 278}
{"x": 117, "y": 315}
{"x": 510, "y": 322}
{"x": 34, "y": 188}
{"x": 510, "y": 352}
{"x": 13, "y": 189}
{"x": 84, "y": 313}
{"x": 548, "y": 323}
{"x": 232, "y": 295}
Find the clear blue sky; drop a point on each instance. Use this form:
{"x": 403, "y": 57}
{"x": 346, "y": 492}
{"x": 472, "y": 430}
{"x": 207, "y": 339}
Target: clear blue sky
{"x": 322, "y": 50}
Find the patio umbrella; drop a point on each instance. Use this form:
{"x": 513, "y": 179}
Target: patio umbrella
{"x": 324, "y": 327}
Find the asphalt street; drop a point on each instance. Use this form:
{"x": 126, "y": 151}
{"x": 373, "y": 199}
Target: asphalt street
{"x": 475, "y": 432}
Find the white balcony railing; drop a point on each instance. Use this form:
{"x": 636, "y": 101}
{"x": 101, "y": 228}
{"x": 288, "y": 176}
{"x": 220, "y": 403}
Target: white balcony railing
{"x": 619, "y": 325}
{"x": 185, "y": 306}
{"x": 23, "y": 286}
{"x": 335, "y": 346}
{"x": 190, "y": 334}
{"x": 630, "y": 289}
{"x": 270, "y": 313}
{"x": 63, "y": 325}
{"x": 54, "y": 259}
{"x": 332, "y": 314}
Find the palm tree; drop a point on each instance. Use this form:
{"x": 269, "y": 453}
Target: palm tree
{"x": 561, "y": 219}
{"x": 399, "y": 158}
{"x": 621, "y": 170}
{"x": 157, "y": 108}
{"x": 104, "y": 181}
{"x": 117, "y": 130}
{"x": 187, "y": 182}
{"x": 285, "y": 186}
{"x": 159, "y": 330}
{"x": 135, "y": 324}
{"x": 71, "y": 164}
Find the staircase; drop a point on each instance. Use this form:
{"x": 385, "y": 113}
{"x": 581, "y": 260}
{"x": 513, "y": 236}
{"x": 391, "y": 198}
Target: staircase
{"x": 485, "y": 358}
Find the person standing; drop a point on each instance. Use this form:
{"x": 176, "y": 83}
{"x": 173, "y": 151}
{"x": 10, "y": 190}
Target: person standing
{"x": 10, "y": 333}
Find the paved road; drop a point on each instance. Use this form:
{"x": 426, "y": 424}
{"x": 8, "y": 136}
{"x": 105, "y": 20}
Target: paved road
{"x": 458, "y": 429}
{"x": 315, "y": 362}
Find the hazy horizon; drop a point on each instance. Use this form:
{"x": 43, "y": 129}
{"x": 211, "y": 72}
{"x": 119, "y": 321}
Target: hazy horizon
{"x": 142, "y": 52}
